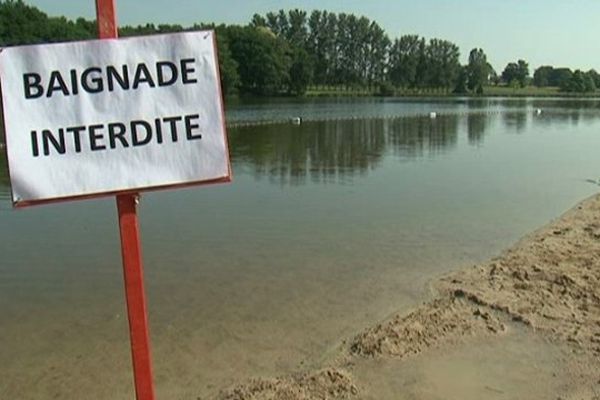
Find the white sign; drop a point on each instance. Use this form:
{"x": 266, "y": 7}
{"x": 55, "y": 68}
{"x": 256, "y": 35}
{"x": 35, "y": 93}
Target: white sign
{"x": 107, "y": 116}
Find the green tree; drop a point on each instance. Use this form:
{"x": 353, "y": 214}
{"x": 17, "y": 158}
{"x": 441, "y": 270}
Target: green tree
{"x": 516, "y": 72}
{"x": 461, "y": 81}
{"x": 478, "y": 70}
{"x": 442, "y": 58}
{"x": 263, "y": 60}
{"x": 297, "y": 32}
{"x": 377, "y": 51}
{"x": 258, "y": 21}
{"x": 559, "y": 76}
{"x": 541, "y": 76}
{"x": 595, "y": 77}
{"x": 301, "y": 71}
{"x": 523, "y": 72}
{"x": 404, "y": 58}
{"x": 579, "y": 82}
{"x": 228, "y": 66}
{"x": 317, "y": 46}
{"x": 22, "y": 24}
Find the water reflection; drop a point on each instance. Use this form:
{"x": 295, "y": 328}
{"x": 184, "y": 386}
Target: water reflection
{"x": 338, "y": 150}
{"x": 321, "y": 151}
{"x": 515, "y": 122}
{"x": 418, "y": 137}
{"x": 476, "y": 127}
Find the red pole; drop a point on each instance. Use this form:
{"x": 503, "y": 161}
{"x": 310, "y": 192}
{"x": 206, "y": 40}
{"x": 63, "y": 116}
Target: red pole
{"x": 136, "y": 300}
{"x": 106, "y": 17}
{"x": 131, "y": 251}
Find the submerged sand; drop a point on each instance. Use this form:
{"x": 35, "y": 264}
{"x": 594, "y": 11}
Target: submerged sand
{"x": 546, "y": 287}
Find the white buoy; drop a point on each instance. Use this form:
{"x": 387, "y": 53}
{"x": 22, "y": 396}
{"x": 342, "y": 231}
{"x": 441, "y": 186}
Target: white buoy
{"x": 538, "y": 111}
{"x": 432, "y": 115}
{"x": 296, "y": 120}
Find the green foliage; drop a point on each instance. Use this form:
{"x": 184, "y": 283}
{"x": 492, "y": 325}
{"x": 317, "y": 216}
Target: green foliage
{"x": 478, "y": 71}
{"x": 461, "y": 81}
{"x": 416, "y": 63}
{"x": 542, "y": 75}
{"x": 547, "y": 75}
{"x": 566, "y": 80}
{"x": 21, "y": 24}
{"x": 516, "y": 72}
{"x": 228, "y": 66}
{"x": 266, "y": 63}
{"x": 301, "y": 71}
{"x": 286, "y": 52}
{"x": 579, "y": 82}
{"x": 404, "y": 60}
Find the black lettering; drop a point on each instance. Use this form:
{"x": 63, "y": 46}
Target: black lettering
{"x": 74, "y": 84}
{"x": 135, "y": 139}
{"x": 190, "y": 126}
{"x": 160, "y": 66}
{"x": 116, "y": 130}
{"x": 35, "y": 149}
{"x": 76, "y": 131}
{"x": 32, "y": 81}
{"x": 142, "y": 75}
{"x": 92, "y": 84}
{"x": 173, "y": 124}
{"x": 112, "y": 75}
{"x": 58, "y": 144}
{"x": 186, "y": 70}
{"x": 158, "y": 129}
{"x": 95, "y": 137}
{"x": 57, "y": 83}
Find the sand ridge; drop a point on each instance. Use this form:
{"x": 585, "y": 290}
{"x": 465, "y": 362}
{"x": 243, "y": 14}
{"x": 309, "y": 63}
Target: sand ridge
{"x": 549, "y": 283}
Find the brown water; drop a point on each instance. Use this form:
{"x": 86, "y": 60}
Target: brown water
{"x": 514, "y": 366}
{"x": 328, "y": 227}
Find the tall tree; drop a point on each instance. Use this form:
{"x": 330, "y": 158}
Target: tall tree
{"x": 258, "y": 21}
{"x": 516, "y": 73}
{"x": 263, "y": 60}
{"x": 541, "y": 76}
{"x": 297, "y": 32}
{"x": 377, "y": 53}
{"x": 404, "y": 60}
{"x": 559, "y": 76}
{"x": 477, "y": 70}
{"x": 462, "y": 81}
{"x": 443, "y": 63}
{"x": 579, "y": 82}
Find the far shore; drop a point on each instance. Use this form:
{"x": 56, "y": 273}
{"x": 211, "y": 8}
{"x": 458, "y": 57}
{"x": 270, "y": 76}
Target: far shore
{"x": 547, "y": 285}
{"x": 488, "y": 91}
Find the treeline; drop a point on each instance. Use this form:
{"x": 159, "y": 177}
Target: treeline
{"x": 567, "y": 80}
{"x": 288, "y": 52}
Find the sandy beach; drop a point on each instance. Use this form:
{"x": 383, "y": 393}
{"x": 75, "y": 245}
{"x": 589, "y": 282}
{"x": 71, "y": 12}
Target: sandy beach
{"x": 525, "y": 324}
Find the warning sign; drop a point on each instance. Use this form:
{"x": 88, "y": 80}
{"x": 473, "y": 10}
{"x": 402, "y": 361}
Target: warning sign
{"x": 108, "y": 116}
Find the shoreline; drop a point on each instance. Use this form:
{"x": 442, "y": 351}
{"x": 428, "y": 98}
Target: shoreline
{"x": 548, "y": 284}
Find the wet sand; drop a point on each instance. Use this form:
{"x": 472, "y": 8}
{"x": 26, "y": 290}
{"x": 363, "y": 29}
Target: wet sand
{"x": 523, "y": 325}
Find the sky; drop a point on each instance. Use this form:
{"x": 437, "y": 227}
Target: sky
{"x": 543, "y": 32}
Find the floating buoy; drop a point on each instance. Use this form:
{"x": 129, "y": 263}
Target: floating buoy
{"x": 432, "y": 115}
{"x": 296, "y": 120}
{"x": 538, "y": 111}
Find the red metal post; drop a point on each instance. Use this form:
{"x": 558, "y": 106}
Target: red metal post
{"x": 131, "y": 251}
{"x": 106, "y": 17}
{"x": 136, "y": 299}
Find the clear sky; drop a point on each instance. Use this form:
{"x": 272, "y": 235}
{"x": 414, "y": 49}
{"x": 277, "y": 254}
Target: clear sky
{"x": 553, "y": 32}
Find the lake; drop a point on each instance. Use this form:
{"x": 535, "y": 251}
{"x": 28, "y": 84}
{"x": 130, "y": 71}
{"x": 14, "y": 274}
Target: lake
{"x": 328, "y": 227}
